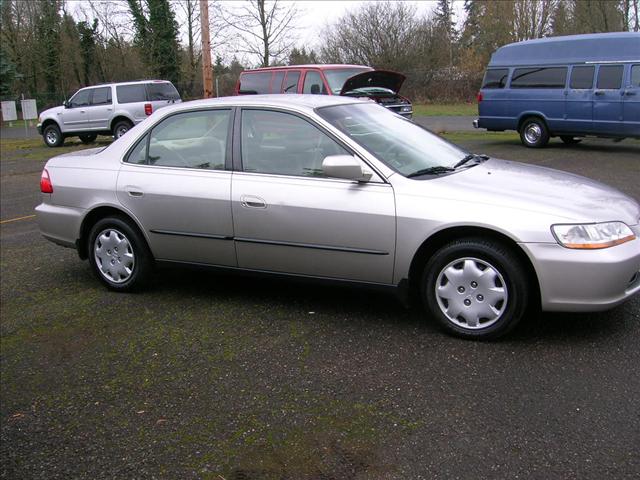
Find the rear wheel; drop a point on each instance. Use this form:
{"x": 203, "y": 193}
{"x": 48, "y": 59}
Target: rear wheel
{"x": 52, "y": 135}
{"x": 88, "y": 137}
{"x": 534, "y": 133}
{"x": 475, "y": 288}
{"x": 569, "y": 140}
{"x": 120, "y": 128}
{"x": 119, "y": 255}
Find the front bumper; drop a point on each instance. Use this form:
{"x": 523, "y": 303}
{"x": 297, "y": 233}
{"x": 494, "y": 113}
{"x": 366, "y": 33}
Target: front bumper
{"x": 39, "y": 128}
{"x": 585, "y": 280}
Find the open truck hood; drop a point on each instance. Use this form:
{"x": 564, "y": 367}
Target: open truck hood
{"x": 374, "y": 78}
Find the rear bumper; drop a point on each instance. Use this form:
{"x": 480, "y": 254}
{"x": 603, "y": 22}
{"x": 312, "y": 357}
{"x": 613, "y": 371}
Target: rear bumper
{"x": 585, "y": 280}
{"x": 60, "y": 225}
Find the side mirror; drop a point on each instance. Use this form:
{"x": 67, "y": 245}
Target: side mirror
{"x": 66, "y": 104}
{"x": 344, "y": 166}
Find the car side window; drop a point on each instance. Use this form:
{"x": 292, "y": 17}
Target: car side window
{"x": 313, "y": 83}
{"x": 80, "y": 99}
{"x": 284, "y": 144}
{"x": 635, "y": 75}
{"x": 187, "y": 140}
{"x": 255, "y": 83}
{"x": 101, "y": 96}
{"x": 582, "y": 77}
{"x": 495, "y": 78}
{"x": 610, "y": 77}
{"x": 276, "y": 82}
{"x": 290, "y": 84}
{"x": 131, "y": 93}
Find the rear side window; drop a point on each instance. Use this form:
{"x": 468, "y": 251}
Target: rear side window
{"x": 495, "y": 78}
{"x": 101, "y": 96}
{"x": 549, "y": 77}
{"x": 635, "y": 75}
{"x": 313, "y": 84}
{"x": 131, "y": 93}
{"x": 162, "y": 91}
{"x": 610, "y": 77}
{"x": 290, "y": 84}
{"x": 276, "y": 83}
{"x": 582, "y": 77}
{"x": 255, "y": 83}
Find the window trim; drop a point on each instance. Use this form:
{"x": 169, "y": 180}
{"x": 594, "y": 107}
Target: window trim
{"x": 146, "y": 137}
{"x": 237, "y": 147}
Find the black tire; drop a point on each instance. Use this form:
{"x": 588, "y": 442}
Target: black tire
{"x": 512, "y": 279}
{"x": 534, "y": 133}
{"x": 120, "y": 128}
{"x": 569, "y": 140}
{"x": 88, "y": 137}
{"x": 141, "y": 269}
{"x": 52, "y": 135}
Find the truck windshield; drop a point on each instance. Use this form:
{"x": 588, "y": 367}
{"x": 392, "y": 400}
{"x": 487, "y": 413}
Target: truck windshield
{"x": 338, "y": 76}
{"x": 396, "y": 141}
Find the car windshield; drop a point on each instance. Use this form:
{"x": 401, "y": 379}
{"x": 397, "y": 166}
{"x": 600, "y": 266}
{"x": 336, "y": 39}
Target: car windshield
{"x": 338, "y": 76}
{"x": 396, "y": 141}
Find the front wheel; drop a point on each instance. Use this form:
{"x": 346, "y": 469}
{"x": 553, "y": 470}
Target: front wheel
{"x": 475, "y": 288}
{"x": 52, "y": 136}
{"x": 534, "y": 133}
{"x": 119, "y": 255}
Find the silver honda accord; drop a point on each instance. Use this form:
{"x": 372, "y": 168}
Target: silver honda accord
{"x": 343, "y": 190}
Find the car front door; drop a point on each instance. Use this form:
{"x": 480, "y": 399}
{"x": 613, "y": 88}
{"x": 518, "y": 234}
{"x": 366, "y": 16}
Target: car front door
{"x": 177, "y": 182}
{"x": 631, "y": 102}
{"x": 607, "y": 100}
{"x": 101, "y": 108}
{"x": 75, "y": 116}
{"x": 288, "y": 217}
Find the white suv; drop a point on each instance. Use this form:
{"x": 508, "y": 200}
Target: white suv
{"x": 109, "y": 109}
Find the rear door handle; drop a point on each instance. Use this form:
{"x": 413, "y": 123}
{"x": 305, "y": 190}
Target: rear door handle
{"x": 251, "y": 201}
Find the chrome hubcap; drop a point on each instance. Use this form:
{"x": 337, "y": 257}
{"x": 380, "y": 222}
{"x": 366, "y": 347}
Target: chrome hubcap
{"x": 114, "y": 255}
{"x": 52, "y": 137}
{"x": 533, "y": 133}
{"x": 121, "y": 131}
{"x": 471, "y": 293}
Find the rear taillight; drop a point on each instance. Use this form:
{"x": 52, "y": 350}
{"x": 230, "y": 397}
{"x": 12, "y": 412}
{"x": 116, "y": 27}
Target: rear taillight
{"x": 479, "y": 97}
{"x": 45, "y": 182}
{"x": 148, "y": 109}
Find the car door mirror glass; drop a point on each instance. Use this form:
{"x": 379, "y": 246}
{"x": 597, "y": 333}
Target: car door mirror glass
{"x": 345, "y": 166}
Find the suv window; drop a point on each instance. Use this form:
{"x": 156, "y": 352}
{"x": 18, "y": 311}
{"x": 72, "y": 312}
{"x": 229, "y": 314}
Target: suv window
{"x": 80, "y": 99}
{"x": 291, "y": 82}
{"x": 610, "y": 77}
{"x": 284, "y": 144}
{"x": 495, "y": 78}
{"x": 582, "y": 77}
{"x": 276, "y": 83}
{"x": 255, "y": 82}
{"x": 188, "y": 140}
{"x": 549, "y": 77}
{"x": 313, "y": 83}
{"x": 101, "y": 96}
{"x": 162, "y": 91}
{"x": 131, "y": 93}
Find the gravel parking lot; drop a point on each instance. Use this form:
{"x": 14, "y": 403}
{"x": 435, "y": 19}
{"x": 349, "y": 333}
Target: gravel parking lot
{"x": 225, "y": 377}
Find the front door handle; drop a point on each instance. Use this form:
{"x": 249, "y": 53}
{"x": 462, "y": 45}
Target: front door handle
{"x": 629, "y": 92}
{"x": 251, "y": 201}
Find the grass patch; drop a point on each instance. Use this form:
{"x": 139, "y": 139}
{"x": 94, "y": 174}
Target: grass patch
{"x": 35, "y": 149}
{"x": 481, "y": 135}
{"x": 442, "y": 110}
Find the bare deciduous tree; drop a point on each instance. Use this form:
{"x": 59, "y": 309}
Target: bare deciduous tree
{"x": 532, "y": 18}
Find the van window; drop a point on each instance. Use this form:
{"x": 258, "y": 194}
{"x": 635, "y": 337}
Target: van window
{"x": 131, "y": 93}
{"x": 255, "y": 82}
{"x": 610, "y": 77}
{"x": 495, "y": 78}
{"x": 276, "y": 83}
{"x": 291, "y": 82}
{"x": 313, "y": 84}
{"x": 549, "y": 77}
{"x": 635, "y": 75}
{"x": 162, "y": 91}
{"x": 582, "y": 77}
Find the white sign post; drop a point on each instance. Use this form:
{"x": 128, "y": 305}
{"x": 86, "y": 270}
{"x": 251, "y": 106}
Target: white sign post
{"x": 29, "y": 112}
{"x": 9, "y": 113}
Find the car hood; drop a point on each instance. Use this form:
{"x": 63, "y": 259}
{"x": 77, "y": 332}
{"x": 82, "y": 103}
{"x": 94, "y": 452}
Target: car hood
{"x": 52, "y": 111}
{"x": 529, "y": 188}
{"x": 374, "y": 78}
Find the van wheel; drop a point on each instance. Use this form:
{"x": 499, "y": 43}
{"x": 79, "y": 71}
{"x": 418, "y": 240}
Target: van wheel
{"x": 534, "y": 133}
{"x": 120, "y": 128}
{"x": 569, "y": 140}
{"x": 475, "y": 288}
{"x": 88, "y": 138}
{"x": 52, "y": 136}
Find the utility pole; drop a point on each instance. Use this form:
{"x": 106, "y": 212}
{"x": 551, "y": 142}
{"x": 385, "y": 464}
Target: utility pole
{"x": 207, "y": 71}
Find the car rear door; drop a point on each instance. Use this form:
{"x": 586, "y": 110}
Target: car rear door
{"x": 289, "y": 218}
{"x": 177, "y": 182}
{"x": 607, "y": 100}
{"x": 631, "y": 102}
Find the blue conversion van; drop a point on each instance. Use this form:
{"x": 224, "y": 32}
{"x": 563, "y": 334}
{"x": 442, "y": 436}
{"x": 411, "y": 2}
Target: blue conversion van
{"x": 568, "y": 87}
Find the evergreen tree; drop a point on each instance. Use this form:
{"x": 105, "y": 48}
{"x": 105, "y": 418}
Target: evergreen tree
{"x": 48, "y": 34}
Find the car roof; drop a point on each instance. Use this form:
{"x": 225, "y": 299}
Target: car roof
{"x": 132, "y": 82}
{"x": 319, "y": 66}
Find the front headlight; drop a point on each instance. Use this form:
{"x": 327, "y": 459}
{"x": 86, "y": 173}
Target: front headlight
{"x": 592, "y": 235}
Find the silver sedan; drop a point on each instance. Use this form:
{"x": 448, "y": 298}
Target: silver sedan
{"x": 343, "y": 190}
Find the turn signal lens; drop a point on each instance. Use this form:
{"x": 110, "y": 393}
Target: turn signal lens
{"x": 593, "y": 236}
{"x": 45, "y": 182}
